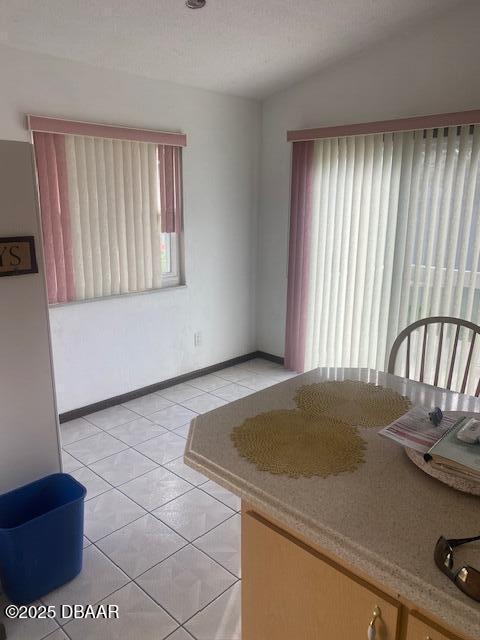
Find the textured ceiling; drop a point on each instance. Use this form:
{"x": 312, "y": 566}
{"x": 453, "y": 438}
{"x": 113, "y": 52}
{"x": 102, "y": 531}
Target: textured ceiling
{"x": 244, "y": 47}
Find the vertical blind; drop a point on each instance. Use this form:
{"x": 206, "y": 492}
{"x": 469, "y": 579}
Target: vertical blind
{"x": 113, "y": 188}
{"x": 104, "y": 205}
{"x": 395, "y": 236}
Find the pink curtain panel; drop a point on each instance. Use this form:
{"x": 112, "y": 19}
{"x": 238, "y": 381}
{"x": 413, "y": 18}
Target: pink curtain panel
{"x": 299, "y": 253}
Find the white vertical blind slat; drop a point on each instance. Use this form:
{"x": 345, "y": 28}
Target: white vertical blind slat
{"x": 371, "y": 250}
{"x": 446, "y": 199}
{"x": 364, "y": 213}
{"x": 411, "y": 213}
{"x": 146, "y": 206}
{"x": 103, "y": 216}
{"x": 346, "y": 215}
{"x": 95, "y": 241}
{"x": 401, "y": 235}
{"x": 84, "y": 207}
{"x": 455, "y": 218}
{"x": 353, "y": 248}
{"x": 434, "y": 215}
{"x": 154, "y": 188}
{"x": 337, "y": 246}
{"x": 422, "y": 230}
{"x": 130, "y": 216}
{"x": 377, "y": 274}
{"x": 75, "y": 218}
{"x": 371, "y": 202}
{"x": 331, "y": 223}
{"x": 469, "y": 206}
{"x": 319, "y": 247}
{"x": 472, "y": 309}
{"x": 311, "y": 334}
{"x": 407, "y": 315}
{"x": 123, "y": 241}
{"x": 137, "y": 215}
{"x": 322, "y": 280}
{"x": 387, "y": 279}
{"x": 111, "y": 205}
{"x": 453, "y": 276}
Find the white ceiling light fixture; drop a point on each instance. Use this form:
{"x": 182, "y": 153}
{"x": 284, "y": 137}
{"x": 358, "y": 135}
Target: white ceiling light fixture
{"x": 195, "y": 4}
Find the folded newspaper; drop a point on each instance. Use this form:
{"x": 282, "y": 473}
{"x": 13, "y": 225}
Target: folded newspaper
{"x": 414, "y": 429}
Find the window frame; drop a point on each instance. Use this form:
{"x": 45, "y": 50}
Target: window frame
{"x": 173, "y": 278}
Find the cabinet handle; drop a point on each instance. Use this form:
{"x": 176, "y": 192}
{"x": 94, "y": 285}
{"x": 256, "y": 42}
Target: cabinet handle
{"x": 372, "y": 632}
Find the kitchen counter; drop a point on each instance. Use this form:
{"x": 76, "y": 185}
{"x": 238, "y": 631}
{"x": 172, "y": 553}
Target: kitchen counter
{"x": 383, "y": 519}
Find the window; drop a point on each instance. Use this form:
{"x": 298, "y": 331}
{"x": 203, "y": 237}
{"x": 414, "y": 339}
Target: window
{"x": 111, "y": 210}
{"x": 391, "y": 234}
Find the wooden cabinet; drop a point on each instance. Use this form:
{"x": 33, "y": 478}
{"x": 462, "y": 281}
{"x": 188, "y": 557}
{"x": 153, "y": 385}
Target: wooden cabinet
{"x": 417, "y": 629}
{"x": 291, "y": 592}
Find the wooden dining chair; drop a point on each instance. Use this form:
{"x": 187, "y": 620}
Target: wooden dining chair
{"x": 426, "y": 323}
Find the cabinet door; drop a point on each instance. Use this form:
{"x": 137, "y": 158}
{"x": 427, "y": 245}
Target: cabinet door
{"x": 290, "y": 592}
{"x": 419, "y": 630}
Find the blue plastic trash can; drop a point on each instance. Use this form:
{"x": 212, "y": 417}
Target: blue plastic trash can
{"x": 41, "y": 536}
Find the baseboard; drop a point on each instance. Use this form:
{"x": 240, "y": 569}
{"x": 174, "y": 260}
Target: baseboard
{"x": 269, "y": 356}
{"x": 137, "y": 393}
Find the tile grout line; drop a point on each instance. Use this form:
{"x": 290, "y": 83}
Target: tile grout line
{"x": 185, "y": 546}
{"x": 187, "y": 541}
{"x": 212, "y": 496}
{"x": 140, "y": 475}
{"x": 207, "y": 554}
{"x": 112, "y": 486}
{"x": 129, "y": 446}
{"x": 126, "y": 446}
{"x": 151, "y": 513}
{"x": 129, "y": 581}
{"x": 193, "y": 543}
{"x": 159, "y": 465}
{"x": 136, "y": 519}
{"x": 134, "y": 580}
{"x": 211, "y": 602}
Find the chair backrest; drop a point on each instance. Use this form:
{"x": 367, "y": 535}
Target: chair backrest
{"x": 425, "y": 323}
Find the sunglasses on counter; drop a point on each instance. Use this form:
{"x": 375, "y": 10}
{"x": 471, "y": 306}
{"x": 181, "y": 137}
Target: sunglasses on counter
{"x": 467, "y": 579}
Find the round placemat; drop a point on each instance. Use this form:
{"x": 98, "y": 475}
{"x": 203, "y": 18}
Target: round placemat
{"x": 352, "y": 402}
{"x": 295, "y": 443}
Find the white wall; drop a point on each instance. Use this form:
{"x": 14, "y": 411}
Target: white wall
{"x": 111, "y": 346}
{"x": 28, "y": 421}
{"x": 432, "y": 70}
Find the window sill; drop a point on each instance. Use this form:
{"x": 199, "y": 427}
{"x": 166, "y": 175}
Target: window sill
{"x": 117, "y": 296}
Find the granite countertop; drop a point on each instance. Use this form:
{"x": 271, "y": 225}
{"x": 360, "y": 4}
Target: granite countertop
{"x": 384, "y": 518}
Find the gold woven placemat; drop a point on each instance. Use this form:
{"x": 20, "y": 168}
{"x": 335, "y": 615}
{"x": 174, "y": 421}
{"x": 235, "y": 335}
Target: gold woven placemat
{"x": 298, "y": 444}
{"x": 352, "y": 402}
{"x": 320, "y": 437}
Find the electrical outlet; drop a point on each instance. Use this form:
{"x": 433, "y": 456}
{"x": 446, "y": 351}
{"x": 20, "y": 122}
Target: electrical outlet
{"x": 197, "y": 338}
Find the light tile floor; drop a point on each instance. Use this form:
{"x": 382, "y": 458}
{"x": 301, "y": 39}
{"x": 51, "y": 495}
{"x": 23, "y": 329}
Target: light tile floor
{"x": 161, "y": 540}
